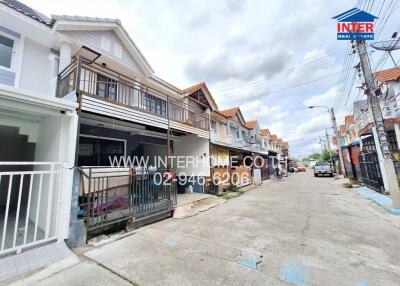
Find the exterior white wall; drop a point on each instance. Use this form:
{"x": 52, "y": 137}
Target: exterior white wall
{"x": 191, "y": 145}
{"x": 56, "y": 143}
{"x": 31, "y": 93}
{"x": 47, "y": 150}
{"x": 67, "y": 143}
{"x": 65, "y": 55}
{"x": 36, "y": 71}
{"x": 93, "y": 40}
{"x": 25, "y": 31}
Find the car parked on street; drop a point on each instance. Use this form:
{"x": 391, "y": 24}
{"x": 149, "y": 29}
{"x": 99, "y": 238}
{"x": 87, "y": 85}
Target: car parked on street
{"x": 301, "y": 168}
{"x": 323, "y": 168}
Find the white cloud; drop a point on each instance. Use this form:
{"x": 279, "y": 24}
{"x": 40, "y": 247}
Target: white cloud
{"x": 327, "y": 98}
{"x": 248, "y": 48}
{"x": 317, "y": 123}
{"x": 257, "y": 110}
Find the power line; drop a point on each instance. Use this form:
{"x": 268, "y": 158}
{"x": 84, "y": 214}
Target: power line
{"x": 346, "y": 85}
{"x": 286, "y": 88}
{"x": 293, "y": 70}
{"x": 346, "y": 82}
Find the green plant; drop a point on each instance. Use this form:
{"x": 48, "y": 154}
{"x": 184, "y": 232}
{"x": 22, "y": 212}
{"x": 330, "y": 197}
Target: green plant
{"x": 226, "y": 196}
{"x": 325, "y": 156}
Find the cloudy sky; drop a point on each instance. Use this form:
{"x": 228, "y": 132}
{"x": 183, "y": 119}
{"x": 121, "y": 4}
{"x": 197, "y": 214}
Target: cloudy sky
{"x": 271, "y": 58}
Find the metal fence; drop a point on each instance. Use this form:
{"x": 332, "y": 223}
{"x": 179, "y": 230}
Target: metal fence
{"x": 111, "y": 195}
{"x": 29, "y": 197}
{"x": 370, "y": 171}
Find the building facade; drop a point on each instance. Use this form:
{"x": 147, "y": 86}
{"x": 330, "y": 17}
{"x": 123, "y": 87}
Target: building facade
{"x": 38, "y": 133}
{"x": 87, "y": 126}
{"x": 358, "y": 137}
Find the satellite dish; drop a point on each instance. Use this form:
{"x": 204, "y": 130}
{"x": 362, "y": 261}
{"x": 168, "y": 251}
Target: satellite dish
{"x": 388, "y": 45}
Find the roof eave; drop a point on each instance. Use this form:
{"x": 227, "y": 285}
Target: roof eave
{"x": 116, "y": 26}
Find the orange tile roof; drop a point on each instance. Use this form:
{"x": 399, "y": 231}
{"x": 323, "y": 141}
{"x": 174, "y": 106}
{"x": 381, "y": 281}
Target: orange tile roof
{"x": 198, "y": 86}
{"x": 286, "y": 145}
{"x": 251, "y": 124}
{"x": 349, "y": 119}
{"x": 220, "y": 113}
{"x": 280, "y": 141}
{"x": 265, "y": 132}
{"x": 229, "y": 112}
{"x": 388, "y": 75}
{"x": 274, "y": 137}
{"x": 193, "y": 88}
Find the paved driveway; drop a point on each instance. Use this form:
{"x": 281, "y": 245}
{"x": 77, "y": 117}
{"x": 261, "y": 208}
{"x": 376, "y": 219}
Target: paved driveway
{"x": 309, "y": 231}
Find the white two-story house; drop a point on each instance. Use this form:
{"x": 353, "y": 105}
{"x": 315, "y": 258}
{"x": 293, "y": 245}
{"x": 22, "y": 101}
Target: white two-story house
{"x": 75, "y": 92}
{"x": 38, "y": 133}
{"x": 126, "y": 111}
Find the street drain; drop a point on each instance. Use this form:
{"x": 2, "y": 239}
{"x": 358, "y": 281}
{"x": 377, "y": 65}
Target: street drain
{"x": 249, "y": 259}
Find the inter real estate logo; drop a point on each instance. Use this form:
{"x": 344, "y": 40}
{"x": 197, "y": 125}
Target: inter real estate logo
{"x": 355, "y": 24}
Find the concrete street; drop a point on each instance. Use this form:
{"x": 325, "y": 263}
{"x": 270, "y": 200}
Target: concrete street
{"x": 309, "y": 231}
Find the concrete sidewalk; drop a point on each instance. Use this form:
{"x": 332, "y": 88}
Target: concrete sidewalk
{"x": 383, "y": 201}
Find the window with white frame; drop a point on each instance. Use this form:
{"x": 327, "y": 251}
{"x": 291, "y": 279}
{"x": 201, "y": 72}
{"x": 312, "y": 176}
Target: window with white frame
{"x": 6, "y": 52}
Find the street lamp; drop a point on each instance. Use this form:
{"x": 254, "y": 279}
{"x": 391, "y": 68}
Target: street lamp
{"x": 335, "y": 129}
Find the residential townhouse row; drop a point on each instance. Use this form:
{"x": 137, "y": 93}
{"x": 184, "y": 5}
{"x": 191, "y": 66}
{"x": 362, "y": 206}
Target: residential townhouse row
{"x": 75, "y": 91}
{"x": 358, "y": 140}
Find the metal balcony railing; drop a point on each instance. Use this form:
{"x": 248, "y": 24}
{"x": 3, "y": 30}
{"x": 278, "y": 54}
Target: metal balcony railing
{"x": 94, "y": 80}
{"x": 390, "y": 109}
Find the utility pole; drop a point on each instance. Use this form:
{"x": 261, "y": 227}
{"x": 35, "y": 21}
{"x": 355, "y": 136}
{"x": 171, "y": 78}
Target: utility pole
{"x": 329, "y": 148}
{"x": 335, "y": 129}
{"x": 322, "y": 142}
{"x": 379, "y": 131}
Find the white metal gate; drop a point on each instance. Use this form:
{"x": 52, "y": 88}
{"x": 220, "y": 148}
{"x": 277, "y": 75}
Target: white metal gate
{"x": 29, "y": 204}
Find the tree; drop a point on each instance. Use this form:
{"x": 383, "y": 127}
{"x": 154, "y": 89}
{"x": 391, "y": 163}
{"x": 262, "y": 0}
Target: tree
{"x": 325, "y": 156}
{"x": 315, "y": 156}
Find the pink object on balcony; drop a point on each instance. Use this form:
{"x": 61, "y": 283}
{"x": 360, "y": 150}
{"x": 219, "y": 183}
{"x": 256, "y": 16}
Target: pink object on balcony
{"x": 117, "y": 203}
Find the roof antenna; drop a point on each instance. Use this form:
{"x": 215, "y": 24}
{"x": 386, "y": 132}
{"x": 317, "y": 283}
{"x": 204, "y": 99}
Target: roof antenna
{"x": 388, "y": 46}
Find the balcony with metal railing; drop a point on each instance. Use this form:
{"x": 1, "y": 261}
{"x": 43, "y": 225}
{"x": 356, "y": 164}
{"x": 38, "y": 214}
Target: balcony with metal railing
{"x": 107, "y": 92}
{"x": 390, "y": 110}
